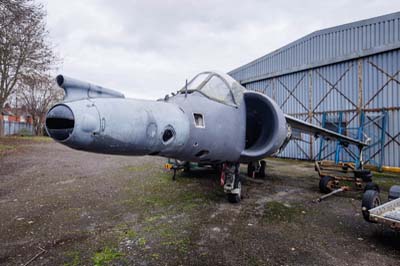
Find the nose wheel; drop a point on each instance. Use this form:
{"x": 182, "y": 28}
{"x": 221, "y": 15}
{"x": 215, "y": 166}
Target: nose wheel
{"x": 230, "y": 178}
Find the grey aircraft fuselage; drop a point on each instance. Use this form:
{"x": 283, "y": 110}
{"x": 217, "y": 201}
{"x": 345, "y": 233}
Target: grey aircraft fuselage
{"x": 189, "y": 126}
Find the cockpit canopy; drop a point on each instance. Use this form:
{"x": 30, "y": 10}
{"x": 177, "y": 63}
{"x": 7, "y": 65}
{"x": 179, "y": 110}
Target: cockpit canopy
{"x": 216, "y": 86}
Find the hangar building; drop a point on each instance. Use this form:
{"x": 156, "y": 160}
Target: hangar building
{"x": 346, "y": 78}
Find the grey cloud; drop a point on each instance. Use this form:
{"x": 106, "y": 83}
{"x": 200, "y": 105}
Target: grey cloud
{"x": 147, "y": 48}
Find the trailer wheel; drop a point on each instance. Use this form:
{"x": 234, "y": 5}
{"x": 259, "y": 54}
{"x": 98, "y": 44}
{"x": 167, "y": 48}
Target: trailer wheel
{"x": 394, "y": 192}
{"x": 326, "y": 184}
{"x": 359, "y": 173}
{"x": 363, "y": 174}
{"x": 372, "y": 186}
{"x": 370, "y": 200}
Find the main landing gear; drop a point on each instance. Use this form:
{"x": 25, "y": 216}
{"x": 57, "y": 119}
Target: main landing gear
{"x": 256, "y": 169}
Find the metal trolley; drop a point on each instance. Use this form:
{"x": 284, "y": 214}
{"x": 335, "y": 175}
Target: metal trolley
{"x": 335, "y": 178}
{"x": 387, "y": 213}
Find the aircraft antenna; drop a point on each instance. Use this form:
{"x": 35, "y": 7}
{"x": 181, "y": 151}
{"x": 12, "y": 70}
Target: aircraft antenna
{"x": 186, "y": 89}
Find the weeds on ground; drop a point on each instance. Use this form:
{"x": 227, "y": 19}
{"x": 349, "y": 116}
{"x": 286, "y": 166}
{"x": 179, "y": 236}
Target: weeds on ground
{"x": 106, "y": 256}
{"x": 73, "y": 258}
{"x": 278, "y": 212}
{"x": 4, "y": 148}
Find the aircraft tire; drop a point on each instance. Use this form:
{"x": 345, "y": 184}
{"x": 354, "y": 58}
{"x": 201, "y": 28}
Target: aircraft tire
{"x": 186, "y": 167}
{"x": 326, "y": 184}
{"x": 370, "y": 200}
{"x": 262, "y": 168}
{"x": 250, "y": 169}
{"x": 235, "y": 198}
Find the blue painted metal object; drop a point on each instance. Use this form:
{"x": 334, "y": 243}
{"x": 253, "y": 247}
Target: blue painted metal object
{"x": 374, "y": 127}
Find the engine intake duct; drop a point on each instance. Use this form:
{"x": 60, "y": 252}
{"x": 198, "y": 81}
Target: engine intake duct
{"x": 60, "y": 122}
{"x": 265, "y": 126}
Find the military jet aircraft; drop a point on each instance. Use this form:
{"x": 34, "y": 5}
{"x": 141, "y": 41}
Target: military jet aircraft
{"x": 212, "y": 120}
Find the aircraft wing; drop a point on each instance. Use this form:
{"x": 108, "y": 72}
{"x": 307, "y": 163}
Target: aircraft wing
{"x": 318, "y": 131}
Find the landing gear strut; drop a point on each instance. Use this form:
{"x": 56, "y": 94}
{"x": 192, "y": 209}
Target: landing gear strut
{"x": 256, "y": 169}
{"x": 231, "y": 180}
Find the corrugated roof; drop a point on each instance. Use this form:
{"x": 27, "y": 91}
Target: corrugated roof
{"x": 327, "y": 46}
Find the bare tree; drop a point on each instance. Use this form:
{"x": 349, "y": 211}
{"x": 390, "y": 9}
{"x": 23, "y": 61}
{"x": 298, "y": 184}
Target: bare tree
{"x": 38, "y": 94}
{"x": 24, "y": 49}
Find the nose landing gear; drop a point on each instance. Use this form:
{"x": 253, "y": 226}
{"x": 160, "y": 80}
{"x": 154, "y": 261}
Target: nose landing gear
{"x": 230, "y": 179}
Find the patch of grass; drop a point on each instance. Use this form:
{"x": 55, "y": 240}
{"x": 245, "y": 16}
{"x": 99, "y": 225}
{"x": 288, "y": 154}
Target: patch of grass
{"x": 253, "y": 261}
{"x": 138, "y": 168}
{"x": 386, "y": 175}
{"x": 73, "y": 259}
{"x": 155, "y": 256}
{"x": 131, "y": 234}
{"x": 179, "y": 199}
{"x": 153, "y": 218}
{"x": 166, "y": 232}
{"x": 181, "y": 245}
{"x": 386, "y": 183}
{"x": 106, "y": 256}
{"x": 158, "y": 190}
{"x": 124, "y": 231}
{"x": 142, "y": 242}
{"x": 168, "y": 235}
{"x": 4, "y": 148}
{"x": 38, "y": 138}
{"x": 276, "y": 212}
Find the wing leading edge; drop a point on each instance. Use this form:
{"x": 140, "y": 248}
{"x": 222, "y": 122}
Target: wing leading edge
{"x": 318, "y": 131}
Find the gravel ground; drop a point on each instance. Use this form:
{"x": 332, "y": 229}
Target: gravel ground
{"x": 92, "y": 209}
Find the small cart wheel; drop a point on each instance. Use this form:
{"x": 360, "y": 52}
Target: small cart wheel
{"x": 326, "y": 184}
{"x": 370, "y": 200}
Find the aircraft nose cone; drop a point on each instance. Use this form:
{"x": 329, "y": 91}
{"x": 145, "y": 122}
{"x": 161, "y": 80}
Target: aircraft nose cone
{"x": 60, "y": 122}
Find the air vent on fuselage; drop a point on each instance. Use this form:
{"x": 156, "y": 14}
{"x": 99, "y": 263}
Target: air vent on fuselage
{"x": 198, "y": 120}
{"x": 202, "y": 153}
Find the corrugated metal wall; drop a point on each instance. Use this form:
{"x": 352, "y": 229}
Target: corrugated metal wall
{"x": 351, "y": 69}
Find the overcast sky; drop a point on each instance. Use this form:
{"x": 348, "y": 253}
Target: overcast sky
{"x": 147, "y": 49}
